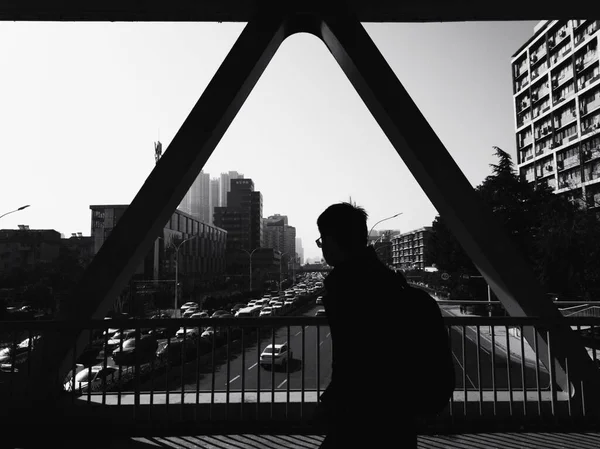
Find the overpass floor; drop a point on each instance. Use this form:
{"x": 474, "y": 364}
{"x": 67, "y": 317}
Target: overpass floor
{"x": 508, "y": 440}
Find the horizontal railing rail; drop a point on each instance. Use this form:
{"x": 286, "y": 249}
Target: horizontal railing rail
{"x": 268, "y": 322}
{"x": 228, "y": 375}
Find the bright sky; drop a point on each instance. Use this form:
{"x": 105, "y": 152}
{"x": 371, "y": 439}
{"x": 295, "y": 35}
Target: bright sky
{"x": 82, "y": 103}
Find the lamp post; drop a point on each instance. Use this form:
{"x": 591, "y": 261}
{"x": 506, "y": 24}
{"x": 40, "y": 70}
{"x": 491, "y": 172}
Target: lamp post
{"x": 388, "y": 218}
{"x": 177, "y": 247}
{"x": 250, "y": 256}
{"x": 16, "y": 210}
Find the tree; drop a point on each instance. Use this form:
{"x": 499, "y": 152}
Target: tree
{"x": 560, "y": 239}
{"x": 446, "y": 251}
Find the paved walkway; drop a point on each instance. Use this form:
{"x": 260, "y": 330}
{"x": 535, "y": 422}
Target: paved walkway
{"x": 463, "y": 441}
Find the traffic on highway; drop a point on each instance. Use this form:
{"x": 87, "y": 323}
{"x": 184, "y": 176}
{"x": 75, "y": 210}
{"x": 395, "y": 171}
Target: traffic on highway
{"x": 174, "y": 357}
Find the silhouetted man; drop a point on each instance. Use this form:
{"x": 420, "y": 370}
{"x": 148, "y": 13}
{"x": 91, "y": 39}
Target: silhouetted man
{"x": 376, "y": 392}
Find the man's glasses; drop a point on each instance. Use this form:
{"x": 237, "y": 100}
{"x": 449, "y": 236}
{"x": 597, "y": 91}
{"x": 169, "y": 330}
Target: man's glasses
{"x": 319, "y": 242}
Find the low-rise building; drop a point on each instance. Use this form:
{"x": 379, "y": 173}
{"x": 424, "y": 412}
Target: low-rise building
{"x": 409, "y": 250}
{"x": 25, "y": 248}
{"x": 194, "y": 248}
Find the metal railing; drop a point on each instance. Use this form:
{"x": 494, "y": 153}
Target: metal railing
{"x": 227, "y": 376}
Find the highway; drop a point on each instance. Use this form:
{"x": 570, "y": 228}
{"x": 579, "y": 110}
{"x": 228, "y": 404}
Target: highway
{"x": 244, "y": 368}
{"x": 497, "y": 373}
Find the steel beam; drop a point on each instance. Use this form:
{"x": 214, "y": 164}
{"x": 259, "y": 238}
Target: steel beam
{"x": 389, "y": 11}
{"x": 470, "y": 220}
{"x": 173, "y": 175}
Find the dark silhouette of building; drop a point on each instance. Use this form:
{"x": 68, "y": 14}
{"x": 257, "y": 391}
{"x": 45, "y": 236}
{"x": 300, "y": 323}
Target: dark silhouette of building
{"x": 242, "y": 217}
{"x": 202, "y": 258}
{"x": 25, "y": 248}
{"x": 80, "y": 247}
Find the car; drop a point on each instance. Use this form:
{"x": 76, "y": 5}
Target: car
{"x": 263, "y": 302}
{"x": 119, "y": 337}
{"x": 92, "y": 377}
{"x": 320, "y": 312}
{"x": 131, "y": 352}
{"x": 8, "y": 356}
{"x": 78, "y": 368}
{"x": 164, "y": 332}
{"x": 209, "y": 332}
{"x": 237, "y": 307}
{"x": 189, "y": 332}
{"x": 278, "y": 308}
{"x": 288, "y": 302}
{"x": 189, "y": 305}
{"x": 218, "y": 313}
{"x": 200, "y": 315}
{"x": 189, "y": 312}
{"x": 248, "y": 312}
{"x": 278, "y": 355}
{"x": 176, "y": 351}
{"x": 319, "y": 300}
{"x": 266, "y": 311}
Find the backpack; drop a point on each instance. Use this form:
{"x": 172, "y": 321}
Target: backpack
{"x": 434, "y": 377}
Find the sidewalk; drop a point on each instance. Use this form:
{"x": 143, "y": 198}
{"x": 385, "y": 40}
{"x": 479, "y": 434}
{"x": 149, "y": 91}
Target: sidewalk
{"x": 514, "y": 339}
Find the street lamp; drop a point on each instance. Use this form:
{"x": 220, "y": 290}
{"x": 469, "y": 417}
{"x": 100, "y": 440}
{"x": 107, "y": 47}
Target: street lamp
{"x": 16, "y": 210}
{"x": 388, "y": 218}
{"x": 177, "y": 247}
{"x": 250, "y": 256}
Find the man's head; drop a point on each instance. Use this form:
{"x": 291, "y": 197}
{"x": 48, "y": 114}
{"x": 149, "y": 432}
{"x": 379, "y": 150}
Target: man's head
{"x": 343, "y": 229}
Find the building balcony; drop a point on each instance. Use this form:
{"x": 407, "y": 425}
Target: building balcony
{"x": 210, "y": 385}
{"x": 581, "y": 37}
{"x": 560, "y": 80}
{"x": 588, "y": 82}
{"x": 586, "y": 61}
{"x": 589, "y": 128}
{"x": 590, "y": 107}
{"x": 562, "y": 54}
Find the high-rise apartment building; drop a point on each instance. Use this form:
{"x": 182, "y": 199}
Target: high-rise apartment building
{"x": 225, "y": 185}
{"x": 556, "y": 93}
{"x": 196, "y": 201}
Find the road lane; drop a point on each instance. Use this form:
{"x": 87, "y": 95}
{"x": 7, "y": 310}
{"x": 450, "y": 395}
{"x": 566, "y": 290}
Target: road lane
{"x": 247, "y": 371}
{"x": 244, "y": 367}
{"x": 496, "y": 372}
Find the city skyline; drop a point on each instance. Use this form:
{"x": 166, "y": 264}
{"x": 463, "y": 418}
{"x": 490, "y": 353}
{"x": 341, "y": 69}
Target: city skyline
{"x": 303, "y": 135}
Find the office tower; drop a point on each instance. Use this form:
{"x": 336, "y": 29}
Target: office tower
{"x": 299, "y": 250}
{"x": 225, "y": 185}
{"x": 242, "y": 217}
{"x": 197, "y": 200}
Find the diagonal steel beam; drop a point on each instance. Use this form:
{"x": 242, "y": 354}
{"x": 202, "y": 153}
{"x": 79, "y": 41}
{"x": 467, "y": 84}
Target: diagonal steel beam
{"x": 471, "y": 221}
{"x": 164, "y": 189}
